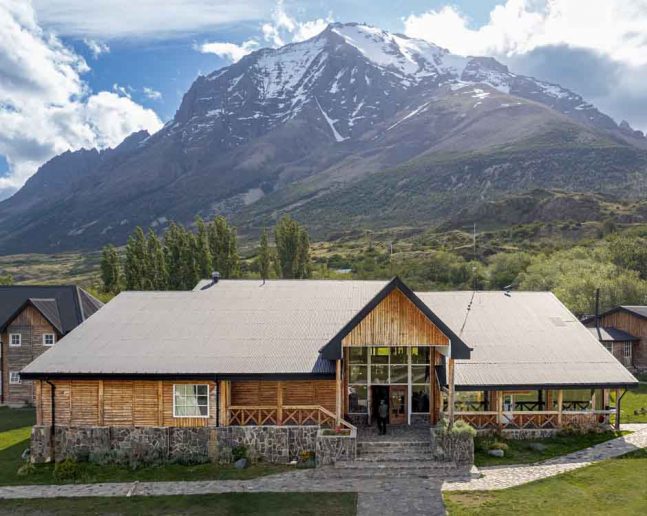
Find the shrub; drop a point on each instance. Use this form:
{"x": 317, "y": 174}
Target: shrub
{"x": 225, "y": 455}
{"x": 498, "y": 445}
{"x": 26, "y": 469}
{"x": 239, "y": 452}
{"x": 66, "y": 470}
{"x": 459, "y": 427}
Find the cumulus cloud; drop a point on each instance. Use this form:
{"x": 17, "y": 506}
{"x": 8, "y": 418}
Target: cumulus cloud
{"x": 230, "y": 51}
{"x": 559, "y": 40}
{"x": 96, "y": 47}
{"x": 45, "y": 106}
{"x": 281, "y": 29}
{"x": 149, "y": 19}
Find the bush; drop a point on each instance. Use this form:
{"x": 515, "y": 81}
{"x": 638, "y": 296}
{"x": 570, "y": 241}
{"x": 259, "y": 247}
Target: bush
{"x": 498, "y": 445}
{"x": 225, "y": 455}
{"x": 66, "y": 470}
{"x": 459, "y": 427}
{"x": 239, "y": 452}
{"x": 26, "y": 469}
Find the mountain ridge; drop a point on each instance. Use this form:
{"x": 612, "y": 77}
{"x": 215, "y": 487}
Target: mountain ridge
{"x": 283, "y": 130}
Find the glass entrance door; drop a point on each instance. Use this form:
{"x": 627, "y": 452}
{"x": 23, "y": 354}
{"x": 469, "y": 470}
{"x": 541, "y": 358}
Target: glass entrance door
{"x": 397, "y": 404}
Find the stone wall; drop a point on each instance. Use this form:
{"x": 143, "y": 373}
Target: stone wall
{"x": 457, "y": 447}
{"x": 520, "y": 433}
{"x": 335, "y": 448}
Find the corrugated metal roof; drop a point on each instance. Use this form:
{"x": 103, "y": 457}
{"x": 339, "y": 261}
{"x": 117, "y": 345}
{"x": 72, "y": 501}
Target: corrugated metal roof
{"x": 612, "y": 335}
{"x": 636, "y": 309}
{"x": 49, "y": 309}
{"x": 234, "y": 327}
{"x": 524, "y": 338}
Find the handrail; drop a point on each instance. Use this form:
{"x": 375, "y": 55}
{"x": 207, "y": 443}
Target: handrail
{"x": 319, "y": 408}
{"x": 341, "y": 421}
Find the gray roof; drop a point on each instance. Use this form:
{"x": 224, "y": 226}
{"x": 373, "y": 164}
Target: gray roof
{"x": 73, "y": 304}
{"x": 636, "y": 309}
{"x": 525, "y": 338}
{"x": 612, "y": 335}
{"x": 244, "y": 327}
{"x": 234, "y": 327}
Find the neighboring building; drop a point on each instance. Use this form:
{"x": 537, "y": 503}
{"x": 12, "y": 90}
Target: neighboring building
{"x": 32, "y": 320}
{"x": 299, "y": 352}
{"x": 623, "y": 331}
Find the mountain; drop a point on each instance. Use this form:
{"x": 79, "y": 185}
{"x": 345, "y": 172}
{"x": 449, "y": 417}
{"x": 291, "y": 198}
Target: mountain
{"x": 356, "y": 126}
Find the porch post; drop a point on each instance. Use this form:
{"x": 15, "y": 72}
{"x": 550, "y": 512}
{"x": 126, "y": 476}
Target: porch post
{"x": 279, "y": 403}
{"x": 338, "y": 390}
{"x": 560, "y": 401}
{"x": 450, "y": 395}
{"x": 618, "y": 399}
{"x": 499, "y": 408}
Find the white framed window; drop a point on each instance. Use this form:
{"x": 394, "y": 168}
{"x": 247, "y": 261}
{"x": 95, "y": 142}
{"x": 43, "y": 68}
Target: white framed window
{"x": 609, "y": 346}
{"x": 191, "y": 400}
{"x": 626, "y": 352}
{"x": 14, "y": 378}
{"x": 15, "y": 340}
{"x": 49, "y": 339}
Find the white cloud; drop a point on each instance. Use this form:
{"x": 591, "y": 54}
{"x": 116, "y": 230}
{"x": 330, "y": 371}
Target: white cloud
{"x": 144, "y": 19}
{"x": 230, "y": 51}
{"x": 96, "y": 47}
{"x": 45, "y": 106}
{"x": 615, "y": 28}
{"x": 152, "y": 94}
{"x": 124, "y": 91}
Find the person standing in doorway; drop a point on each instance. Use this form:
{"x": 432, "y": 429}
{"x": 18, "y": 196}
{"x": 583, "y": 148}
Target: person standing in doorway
{"x": 382, "y": 414}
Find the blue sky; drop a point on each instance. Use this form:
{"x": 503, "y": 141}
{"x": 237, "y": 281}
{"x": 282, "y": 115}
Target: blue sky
{"x": 75, "y": 73}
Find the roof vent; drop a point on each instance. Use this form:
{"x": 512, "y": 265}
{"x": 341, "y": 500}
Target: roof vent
{"x": 215, "y": 277}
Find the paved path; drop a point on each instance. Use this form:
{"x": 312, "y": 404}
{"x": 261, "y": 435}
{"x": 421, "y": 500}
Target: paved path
{"x": 502, "y": 477}
{"x": 387, "y": 496}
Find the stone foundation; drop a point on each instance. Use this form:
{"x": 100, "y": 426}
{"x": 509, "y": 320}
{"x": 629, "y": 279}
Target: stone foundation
{"x": 457, "y": 447}
{"x": 335, "y": 448}
{"x": 525, "y": 433}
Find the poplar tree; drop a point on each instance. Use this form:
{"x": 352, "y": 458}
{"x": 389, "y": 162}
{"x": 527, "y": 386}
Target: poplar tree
{"x": 110, "y": 269}
{"x": 223, "y": 244}
{"x": 173, "y": 256}
{"x": 157, "y": 270}
{"x": 135, "y": 267}
{"x": 264, "y": 256}
{"x": 293, "y": 248}
{"x": 202, "y": 249}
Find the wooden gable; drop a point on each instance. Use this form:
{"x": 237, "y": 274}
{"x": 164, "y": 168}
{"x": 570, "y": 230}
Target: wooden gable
{"x": 395, "y": 321}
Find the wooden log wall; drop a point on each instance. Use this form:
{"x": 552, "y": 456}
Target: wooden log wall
{"x": 116, "y": 403}
{"x": 634, "y": 325}
{"x": 395, "y": 321}
{"x": 290, "y": 392}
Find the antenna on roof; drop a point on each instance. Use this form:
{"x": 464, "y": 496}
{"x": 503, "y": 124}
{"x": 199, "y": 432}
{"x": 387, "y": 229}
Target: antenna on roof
{"x": 507, "y": 289}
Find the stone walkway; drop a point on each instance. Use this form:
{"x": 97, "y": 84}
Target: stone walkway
{"x": 502, "y": 477}
{"x": 386, "y": 496}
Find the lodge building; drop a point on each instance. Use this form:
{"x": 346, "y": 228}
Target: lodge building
{"x": 306, "y": 352}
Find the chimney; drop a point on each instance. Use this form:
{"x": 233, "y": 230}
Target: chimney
{"x": 215, "y": 277}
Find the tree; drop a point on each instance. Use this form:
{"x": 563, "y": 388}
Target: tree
{"x": 202, "y": 249}
{"x": 629, "y": 253}
{"x": 264, "y": 256}
{"x": 110, "y": 269}
{"x": 293, "y": 248}
{"x": 223, "y": 244}
{"x": 504, "y": 268}
{"x": 173, "y": 256}
{"x": 6, "y": 279}
{"x": 157, "y": 270}
{"x": 136, "y": 264}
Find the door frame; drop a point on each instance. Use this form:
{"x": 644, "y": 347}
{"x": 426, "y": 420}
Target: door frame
{"x": 403, "y": 418}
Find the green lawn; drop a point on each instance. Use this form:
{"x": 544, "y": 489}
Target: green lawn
{"x": 520, "y": 452}
{"x": 633, "y": 401}
{"x": 612, "y": 487}
{"x": 284, "y": 504}
{"x": 15, "y": 429}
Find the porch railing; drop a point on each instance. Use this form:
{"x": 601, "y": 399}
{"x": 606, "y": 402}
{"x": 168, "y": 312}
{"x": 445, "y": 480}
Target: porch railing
{"x": 528, "y": 420}
{"x": 301, "y": 415}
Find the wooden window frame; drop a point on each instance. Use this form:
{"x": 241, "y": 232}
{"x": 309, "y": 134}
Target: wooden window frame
{"x": 208, "y": 400}
{"x": 608, "y": 346}
{"x": 11, "y": 378}
{"x": 45, "y": 335}
{"x": 627, "y": 346}
{"x": 11, "y": 336}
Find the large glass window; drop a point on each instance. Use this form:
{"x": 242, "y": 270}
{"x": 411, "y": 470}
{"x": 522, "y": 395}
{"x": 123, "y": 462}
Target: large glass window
{"x": 190, "y": 400}
{"x": 357, "y": 399}
{"x": 420, "y": 396}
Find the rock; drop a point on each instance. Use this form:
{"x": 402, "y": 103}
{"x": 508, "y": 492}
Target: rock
{"x": 25, "y": 454}
{"x": 496, "y": 453}
{"x": 240, "y": 464}
{"x": 538, "y": 447}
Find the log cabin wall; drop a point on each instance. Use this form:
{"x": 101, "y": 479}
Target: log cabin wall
{"x": 292, "y": 392}
{"x": 395, "y": 321}
{"x": 31, "y": 326}
{"x": 634, "y": 325}
{"x": 117, "y": 403}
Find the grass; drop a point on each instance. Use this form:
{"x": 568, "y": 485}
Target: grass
{"x": 15, "y": 429}
{"x": 612, "y": 487}
{"x": 284, "y": 504}
{"x": 519, "y": 451}
{"x": 632, "y": 403}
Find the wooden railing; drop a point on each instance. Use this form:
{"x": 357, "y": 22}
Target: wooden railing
{"x": 528, "y": 420}
{"x": 300, "y": 415}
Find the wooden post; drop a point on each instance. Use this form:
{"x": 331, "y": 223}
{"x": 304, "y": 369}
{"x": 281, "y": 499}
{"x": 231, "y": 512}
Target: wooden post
{"x": 618, "y": 397}
{"x": 279, "y": 403}
{"x": 338, "y": 392}
{"x": 450, "y": 395}
{"x": 100, "y": 403}
{"x": 560, "y": 402}
{"x": 160, "y": 403}
{"x": 499, "y": 409}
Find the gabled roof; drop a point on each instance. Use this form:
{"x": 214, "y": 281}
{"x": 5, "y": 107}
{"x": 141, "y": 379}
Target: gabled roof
{"x": 637, "y": 310}
{"x": 65, "y": 307}
{"x": 612, "y": 335}
{"x": 524, "y": 339}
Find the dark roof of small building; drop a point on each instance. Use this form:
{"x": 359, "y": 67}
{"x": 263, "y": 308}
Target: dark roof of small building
{"x": 612, "y": 335}
{"x": 64, "y": 306}
{"x": 637, "y": 310}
